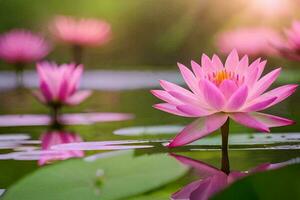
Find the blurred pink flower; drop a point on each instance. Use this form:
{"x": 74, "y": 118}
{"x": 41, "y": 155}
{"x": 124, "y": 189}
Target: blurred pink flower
{"x": 82, "y": 32}
{"x": 21, "y": 46}
{"x": 218, "y": 92}
{"x": 212, "y": 179}
{"x": 290, "y": 48}
{"x": 59, "y": 84}
{"x": 251, "y": 41}
{"x": 52, "y": 138}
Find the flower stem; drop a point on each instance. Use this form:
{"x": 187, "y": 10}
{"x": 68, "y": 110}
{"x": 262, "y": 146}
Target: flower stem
{"x": 55, "y": 114}
{"x": 225, "y": 158}
{"x": 19, "y": 75}
{"x": 77, "y": 54}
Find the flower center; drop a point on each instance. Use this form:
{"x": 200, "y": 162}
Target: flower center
{"x": 219, "y": 76}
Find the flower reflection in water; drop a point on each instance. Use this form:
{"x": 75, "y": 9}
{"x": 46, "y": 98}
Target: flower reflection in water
{"x": 213, "y": 180}
{"x": 56, "y": 137}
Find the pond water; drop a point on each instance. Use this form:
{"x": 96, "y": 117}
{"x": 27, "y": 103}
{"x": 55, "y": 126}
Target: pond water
{"x": 113, "y": 146}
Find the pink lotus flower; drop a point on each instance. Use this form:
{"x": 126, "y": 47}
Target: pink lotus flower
{"x": 82, "y": 32}
{"x": 59, "y": 84}
{"x": 251, "y": 41}
{"x": 219, "y": 92}
{"x": 291, "y": 47}
{"x": 21, "y": 46}
{"x": 212, "y": 179}
{"x": 52, "y": 138}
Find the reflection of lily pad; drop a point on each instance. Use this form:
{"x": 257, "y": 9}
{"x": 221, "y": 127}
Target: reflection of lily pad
{"x": 149, "y": 130}
{"x": 275, "y": 184}
{"x": 124, "y": 176}
{"x": 69, "y": 119}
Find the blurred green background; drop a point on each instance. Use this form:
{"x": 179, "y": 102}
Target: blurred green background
{"x": 149, "y": 34}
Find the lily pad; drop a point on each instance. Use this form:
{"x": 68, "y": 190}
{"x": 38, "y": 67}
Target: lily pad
{"x": 14, "y": 137}
{"x": 7, "y": 156}
{"x": 252, "y": 139}
{"x": 149, "y": 130}
{"x": 8, "y": 145}
{"x": 105, "y": 145}
{"x": 122, "y": 176}
{"x": 101, "y": 79}
{"x": 68, "y": 119}
{"x": 12, "y": 141}
{"x": 275, "y": 184}
{"x": 1, "y": 192}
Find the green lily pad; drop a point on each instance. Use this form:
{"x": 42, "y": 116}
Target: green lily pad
{"x": 252, "y": 139}
{"x": 275, "y": 184}
{"x": 149, "y": 130}
{"x": 117, "y": 177}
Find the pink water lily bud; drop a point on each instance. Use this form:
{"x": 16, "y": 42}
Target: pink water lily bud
{"x": 52, "y": 138}
{"x": 253, "y": 41}
{"x": 290, "y": 47}
{"x": 81, "y": 32}
{"x": 220, "y": 91}
{"x": 59, "y": 84}
{"x": 22, "y": 46}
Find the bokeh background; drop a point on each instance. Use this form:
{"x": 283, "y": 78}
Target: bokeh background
{"x": 150, "y": 34}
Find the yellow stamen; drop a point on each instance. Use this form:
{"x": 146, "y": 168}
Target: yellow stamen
{"x": 220, "y": 76}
